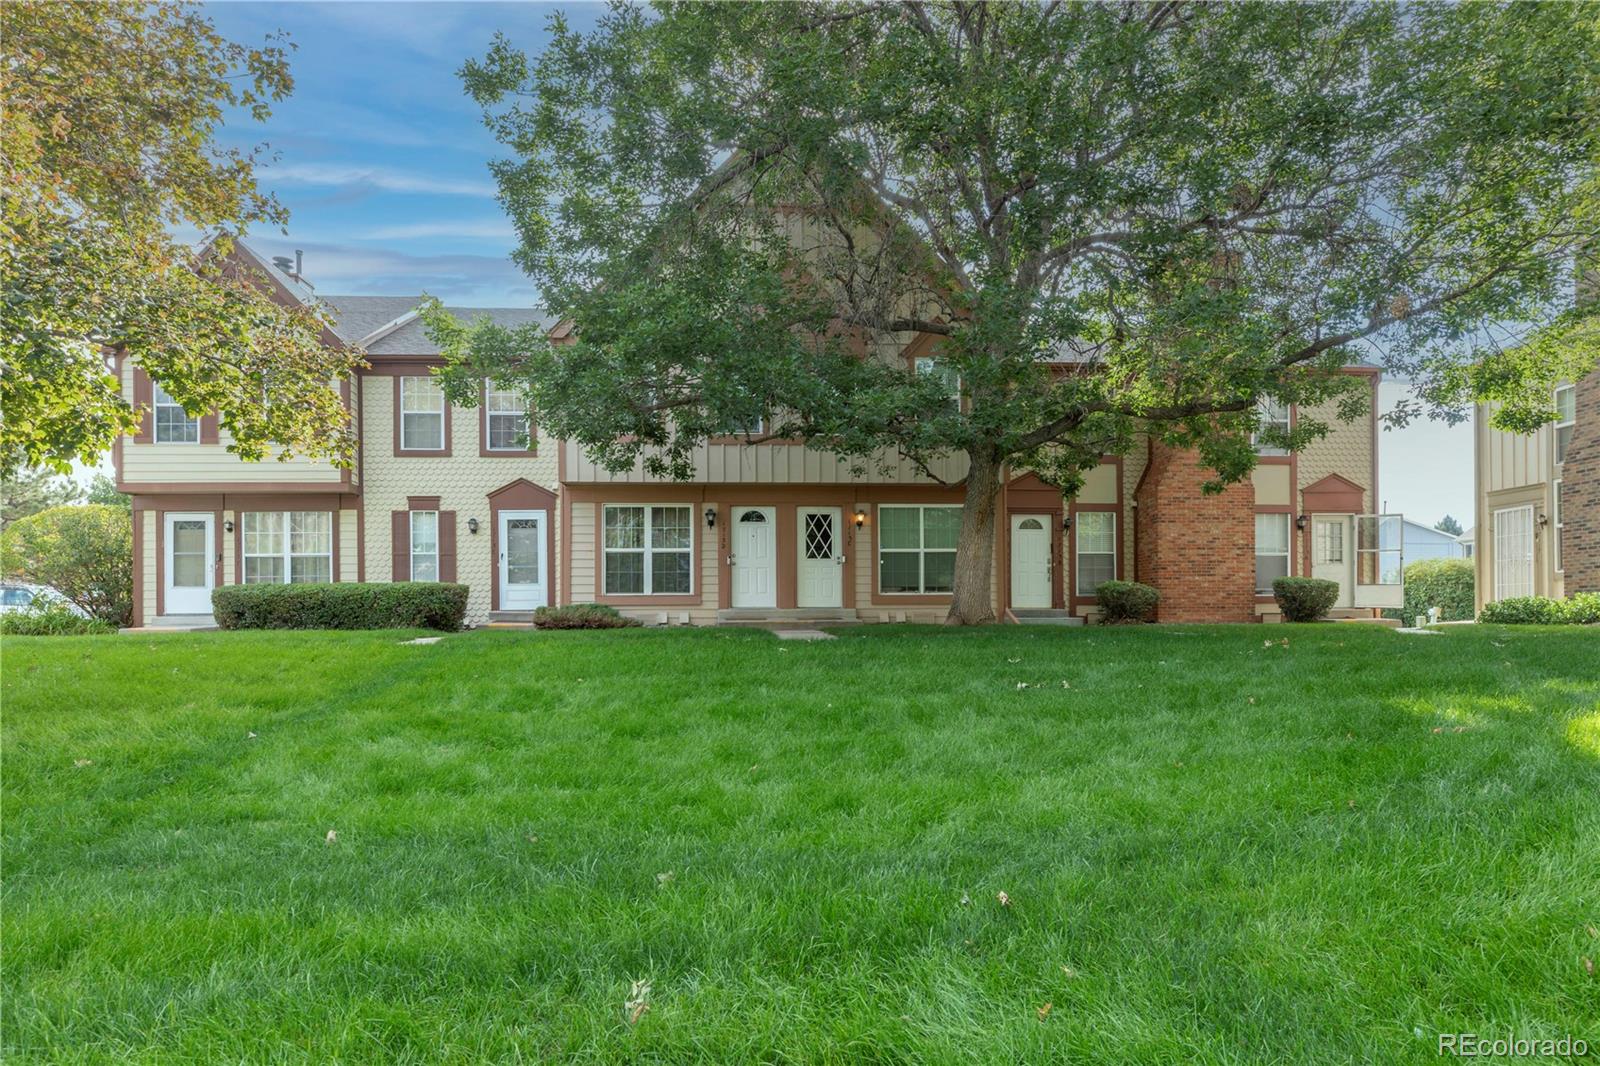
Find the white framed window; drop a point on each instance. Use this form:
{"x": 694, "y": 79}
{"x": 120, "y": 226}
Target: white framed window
{"x": 1095, "y": 560}
{"x": 422, "y": 412}
{"x": 917, "y": 548}
{"x": 174, "y": 425}
{"x": 927, "y": 365}
{"x": 1272, "y": 548}
{"x": 648, "y": 549}
{"x": 286, "y": 546}
{"x": 506, "y": 426}
{"x": 1273, "y": 415}
{"x": 424, "y": 545}
{"x": 755, "y": 428}
{"x": 1556, "y": 522}
{"x": 1566, "y": 418}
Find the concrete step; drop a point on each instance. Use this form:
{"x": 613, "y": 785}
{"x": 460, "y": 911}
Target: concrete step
{"x": 790, "y": 617}
{"x": 511, "y": 616}
{"x": 1040, "y": 616}
{"x": 177, "y": 623}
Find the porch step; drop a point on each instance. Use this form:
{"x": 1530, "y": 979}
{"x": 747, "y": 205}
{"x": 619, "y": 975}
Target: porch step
{"x": 525, "y": 617}
{"x": 177, "y": 623}
{"x": 793, "y": 617}
{"x": 1041, "y": 616}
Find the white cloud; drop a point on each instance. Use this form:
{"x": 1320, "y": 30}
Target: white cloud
{"x": 387, "y": 178}
{"x": 485, "y": 229}
{"x": 465, "y": 280}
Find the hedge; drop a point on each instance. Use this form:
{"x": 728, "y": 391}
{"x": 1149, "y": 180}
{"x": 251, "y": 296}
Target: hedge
{"x": 1126, "y": 601}
{"x": 1447, "y": 584}
{"x": 1581, "y": 609}
{"x": 54, "y": 620}
{"x": 392, "y": 605}
{"x": 1304, "y": 599}
{"x": 582, "y": 616}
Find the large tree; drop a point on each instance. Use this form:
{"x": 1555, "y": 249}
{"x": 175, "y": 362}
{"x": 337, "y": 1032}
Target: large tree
{"x": 1114, "y": 218}
{"x": 108, "y": 145}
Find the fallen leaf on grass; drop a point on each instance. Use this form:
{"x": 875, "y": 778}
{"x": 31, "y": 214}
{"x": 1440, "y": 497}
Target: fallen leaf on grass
{"x": 532, "y": 839}
{"x": 664, "y": 878}
{"x": 966, "y": 900}
{"x": 332, "y": 838}
{"x": 1044, "y": 1012}
{"x": 1013, "y": 660}
{"x": 1588, "y": 966}
{"x": 1592, "y": 931}
{"x": 250, "y": 736}
{"x": 1021, "y": 685}
{"x": 638, "y": 1001}
{"x": 1069, "y": 971}
{"x": 1005, "y": 900}
{"x": 82, "y": 762}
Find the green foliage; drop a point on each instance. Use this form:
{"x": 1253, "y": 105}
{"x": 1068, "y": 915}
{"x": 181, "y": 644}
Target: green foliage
{"x": 1304, "y": 599}
{"x": 25, "y": 491}
{"x": 84, "y": 552}
{"x": 1447, "y": 584}
{"x": 582, "y": 616}
{"x": 51, "y": 620}
{"x": 1581, "y": 609}
{"x": 1126, "y": 601}
{"x": 1449, "y": 525}
{"x": 388, "y": 605}
{"x": 103, "y": 490}
{"x": 109, "y": 141}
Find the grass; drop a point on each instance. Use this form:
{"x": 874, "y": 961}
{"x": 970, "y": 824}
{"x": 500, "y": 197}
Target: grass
{"x": 1214, "y": 851}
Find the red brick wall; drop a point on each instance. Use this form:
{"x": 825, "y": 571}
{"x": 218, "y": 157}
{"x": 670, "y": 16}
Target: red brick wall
{"x": 1197, "y": 550}
{"x": 1580, "y": 493}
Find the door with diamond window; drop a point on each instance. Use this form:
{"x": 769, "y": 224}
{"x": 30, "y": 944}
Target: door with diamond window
{"x": 522, "y": 560}
{"x": 821, "y": 559}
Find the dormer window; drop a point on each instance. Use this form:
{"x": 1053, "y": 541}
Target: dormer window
{"x": 1270, "y": 415}
{"x": 174, "y": 425}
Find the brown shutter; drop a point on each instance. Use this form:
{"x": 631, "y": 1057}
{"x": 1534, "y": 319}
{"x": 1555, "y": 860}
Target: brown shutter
{"x": 208, "y": 428}
{"x": 400, "y": 524}
{"x": 142, "y": 399}
{"x": 447, "y": 546}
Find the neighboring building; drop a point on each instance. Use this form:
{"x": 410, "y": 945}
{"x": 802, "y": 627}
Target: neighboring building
{"x": 1538, "y": 506}
{"x": 1425, "y": 542}
{"x": 766, "y": 529}
{"x": 1467, "y": 540}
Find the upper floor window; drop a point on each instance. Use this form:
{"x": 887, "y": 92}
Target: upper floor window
{"x": 1566, "y": 417}
{"x": 174, "y": 425}
{"x": 942, "y": 372}
{"x": 1270, "y": 415}
{"x": 424, "y": 545}
{"x": 506, "y": 424}
{"x": 754, "y": 428}
{"x": 422, "y": 411}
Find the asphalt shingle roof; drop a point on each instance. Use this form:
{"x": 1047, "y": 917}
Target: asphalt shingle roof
{"x": 356, "y": 317}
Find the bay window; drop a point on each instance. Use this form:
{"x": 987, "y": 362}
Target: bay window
{"x": 647, "y": 550}
{"x": 917, "y": 548}
{"x": 1272, "y": 548}
{"x": 279, "y": 547}
{"x": 422, "y": 411}
{"x": 1095, "y": 560}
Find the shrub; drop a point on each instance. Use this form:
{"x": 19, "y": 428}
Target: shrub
{"x": 396, "y": 605}
{"x": 582, "y": 616}
{"x": 1304, "y": 599}
{"x": 1443, "y": 583}
{"x": 1582, "y": 609}
{"x": 1126, "y": 601}
{"x": 51, "y": 620}
{"x": 83, "y": 552}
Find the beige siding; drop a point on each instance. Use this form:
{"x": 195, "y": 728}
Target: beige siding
{"x": 768, "y": 464}
{"x": 1512, "y": 460}
{"x": 1272, "y": 486}
{"x": 1346, "y": 451}
{"x": 462, "y": 480}
{"x": 1514, "y": 469}
{"x": 148, "y": 543}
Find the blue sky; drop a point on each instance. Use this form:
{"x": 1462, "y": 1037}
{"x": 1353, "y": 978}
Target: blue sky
{"x": 383, "y": 164}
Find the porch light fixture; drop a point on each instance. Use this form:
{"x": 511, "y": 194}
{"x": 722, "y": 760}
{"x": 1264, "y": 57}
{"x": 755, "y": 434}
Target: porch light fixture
{"x": 711, "y": 518}
{"x": 472, "y": 525}
{"x": 1066, "y": 521}
{"x": 860, "y": 517}
{"x": 1300, "y": 523}
{"x": 228, "y": 526}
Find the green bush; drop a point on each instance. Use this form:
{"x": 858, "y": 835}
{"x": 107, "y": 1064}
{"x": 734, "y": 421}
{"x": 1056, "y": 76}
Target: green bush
{"x": 1304, "y": 599}
{"x": 1443, "y": 583}
{"x": 52, "y": 620}
{"x": 1582, "y": 609}
{"x": 1126, "y": 601}
{"x": 582, "y": 616}
{"x": 84, "y": 552}
{"x": 396, "y": 605}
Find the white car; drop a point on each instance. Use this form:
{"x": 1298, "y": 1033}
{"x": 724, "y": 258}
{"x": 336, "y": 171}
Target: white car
{"x": 16, "y": 596}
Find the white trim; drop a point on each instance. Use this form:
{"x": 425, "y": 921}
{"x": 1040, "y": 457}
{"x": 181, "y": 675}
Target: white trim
{"x": 1557, "y": 523}
{"x": 188, "y": 601}
{"x": 157, "y": 403}
{"x": 1502, "y": 534}
{"x": 386, "y": 329}
{"x": 540, "y": 595}
{"x": 443, "y": 414}
{"x": 285, "y": 553}
{"x": 648, "y": 550}
{"x": 527, "y": 421}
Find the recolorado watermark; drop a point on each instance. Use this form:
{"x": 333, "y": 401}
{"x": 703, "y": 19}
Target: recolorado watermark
{"x": 1473, "y": 1046}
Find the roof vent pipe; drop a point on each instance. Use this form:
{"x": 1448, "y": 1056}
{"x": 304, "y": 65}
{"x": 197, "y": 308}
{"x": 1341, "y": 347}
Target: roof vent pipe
{"x": 299, "y": 263}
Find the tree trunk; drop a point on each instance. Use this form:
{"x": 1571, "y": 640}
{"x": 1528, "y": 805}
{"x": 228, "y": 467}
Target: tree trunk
{"x": 973, "y": 602}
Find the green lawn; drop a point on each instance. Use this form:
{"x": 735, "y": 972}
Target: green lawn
{"x": 1214, "y": 851}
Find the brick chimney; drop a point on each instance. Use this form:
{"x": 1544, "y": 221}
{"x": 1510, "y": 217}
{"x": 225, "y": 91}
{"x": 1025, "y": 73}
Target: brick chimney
{"x": 1197, "y": 550}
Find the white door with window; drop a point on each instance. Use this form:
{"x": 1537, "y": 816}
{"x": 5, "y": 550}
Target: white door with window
{"x": 189, "y": 566}
{"x": 1513, "y": 552}
{"x": 1332, "y": 553}
{"x": 1030, "y": 561}
{"x": 755, "y": 557}
{"x": 523, "y": 564}
{"x": 820, "y": 582}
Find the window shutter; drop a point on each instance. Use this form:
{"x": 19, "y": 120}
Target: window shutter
{"x": 143, "y": 398}
{"x": 208, "y": 428}
{"x": 447, "y": 546}
{"x": 400, "y": 525}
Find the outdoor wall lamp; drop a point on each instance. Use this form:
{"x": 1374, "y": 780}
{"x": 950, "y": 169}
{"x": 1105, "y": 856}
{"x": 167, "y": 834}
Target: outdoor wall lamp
{"x": 711, "y": 518}
{"x": 1066, "y": 522}
{"x": 228, "y": 526}
{"x": 1300, "y": 523}
{"x": 472, "y": 525}
{"x": 860, "y": 518}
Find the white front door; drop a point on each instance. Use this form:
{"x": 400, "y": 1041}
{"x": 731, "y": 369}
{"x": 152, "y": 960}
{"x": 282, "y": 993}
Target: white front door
{"x": 1513, "y": 552}
{"x": 190, "y": 563}
{"x": 1030, "y": 561}
{"x": 755, "y": 556}
{"x": 1332, "y": 552}
{"x": 523, "y": 564}
{"x": 820, "y": 582}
